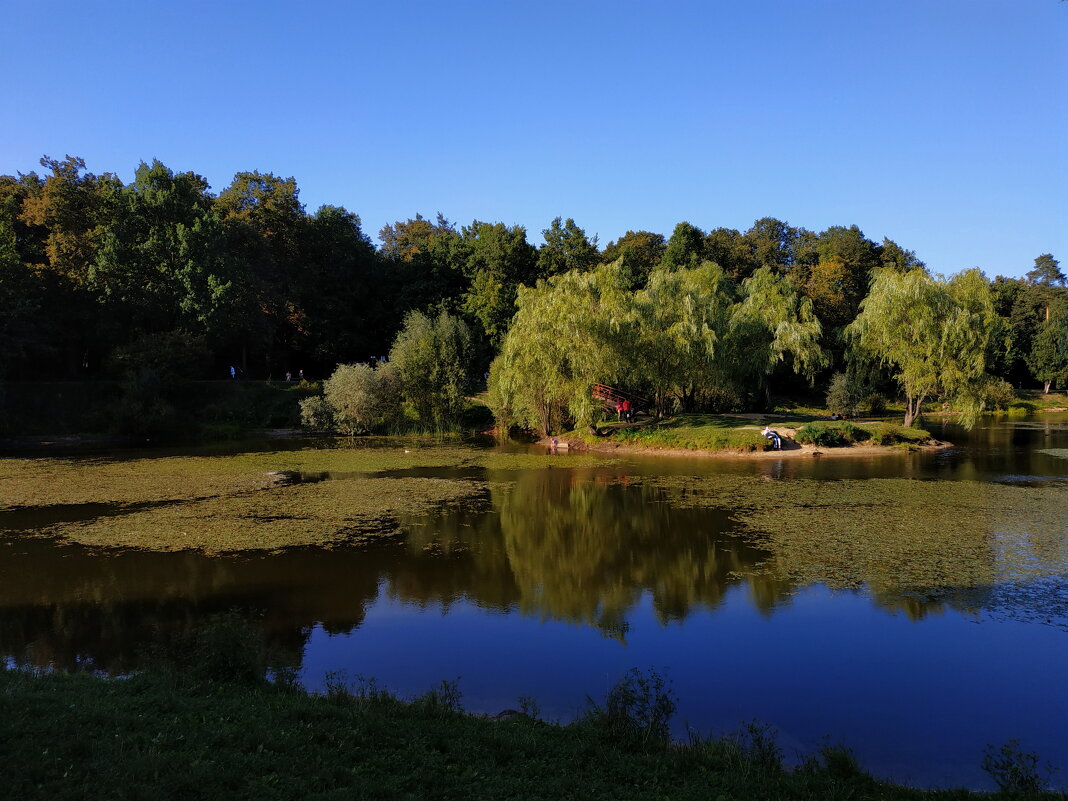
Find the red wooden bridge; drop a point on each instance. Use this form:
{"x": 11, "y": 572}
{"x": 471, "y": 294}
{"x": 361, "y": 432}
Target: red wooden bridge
{"x": 612, "y": 397}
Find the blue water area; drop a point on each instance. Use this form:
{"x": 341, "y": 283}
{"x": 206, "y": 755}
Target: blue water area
{"x": 565, "y": 577}
{"x": 916, "y": 700}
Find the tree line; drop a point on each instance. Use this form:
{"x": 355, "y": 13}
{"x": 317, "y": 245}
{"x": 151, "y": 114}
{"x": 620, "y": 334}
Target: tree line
{"x": 98, "y": 277}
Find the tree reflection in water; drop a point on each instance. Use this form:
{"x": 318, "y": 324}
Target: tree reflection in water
{"x": 578, "y": 545}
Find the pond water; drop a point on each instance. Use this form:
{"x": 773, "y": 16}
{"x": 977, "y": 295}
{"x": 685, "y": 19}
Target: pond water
{"x": 913, "y": 606}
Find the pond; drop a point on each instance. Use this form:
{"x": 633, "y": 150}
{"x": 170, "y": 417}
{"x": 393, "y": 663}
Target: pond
{"x": 913, "y": 606}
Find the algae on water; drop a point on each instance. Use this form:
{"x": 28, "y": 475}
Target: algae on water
{"x": 891, "y": 534}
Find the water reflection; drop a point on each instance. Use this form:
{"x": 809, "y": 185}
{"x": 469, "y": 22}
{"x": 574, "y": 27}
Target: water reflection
{"x": 575, "y": 545}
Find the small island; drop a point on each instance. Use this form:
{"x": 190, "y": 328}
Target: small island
{"x": 742, "y": 435}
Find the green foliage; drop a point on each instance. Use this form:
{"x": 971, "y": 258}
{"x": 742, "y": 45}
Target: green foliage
{"x": 840, "y": 396}
{"x": 566, "y": 248}
{"x": 637, "y": 711}
{"x": 433, "y": 359}
{"x": 638, "y": 254}
{"x": 561, "y": 341}
{"x": 934, "y": 333}
{"x": 998, "y": 395}
{"x": 1048, "y": 358}
{"x": 75, "y": 736}
{"x": 689, "y": 336}
{"x": 810, "y": 434}
{"x": 1014, "y": 770}
{"x": 444, "y": 699}
{"x": 361, "y": 399}
{"x": 873, "y": 403}
{"x": 500, "y": 260}
{"x": 317, "y": 414}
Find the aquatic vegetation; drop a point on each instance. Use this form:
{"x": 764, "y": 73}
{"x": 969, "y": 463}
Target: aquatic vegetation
{"x": 322, "y": 513}
{"x": 44, "y": 482}
{"x": 895, "y": 535}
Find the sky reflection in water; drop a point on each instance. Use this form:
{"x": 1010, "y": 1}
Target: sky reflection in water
{"x": 573, "y": 576}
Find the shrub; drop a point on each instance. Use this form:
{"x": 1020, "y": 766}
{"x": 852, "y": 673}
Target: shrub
{"x": 840, "y": 396}
{"x": 433, "y": 359}
{"x": 874, "y": 404}
{"x": 998, "y": 395}
{"x": 316, "y": 413}
{"x": 637, "y": 710}
{"x": 853, "y": 433}
{"x": 357, "y": 399}
{"x": 810, "y": 434}
{"x": 443, "y": 699}
{"x": 1015, "y": 771}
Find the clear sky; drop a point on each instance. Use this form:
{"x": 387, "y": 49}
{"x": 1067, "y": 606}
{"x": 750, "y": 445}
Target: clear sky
{"x": 938, "y": 123}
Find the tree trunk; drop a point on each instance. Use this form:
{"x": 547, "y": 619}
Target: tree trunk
{"x": 1045, "y": 390}
{"x": 913, "y": 406}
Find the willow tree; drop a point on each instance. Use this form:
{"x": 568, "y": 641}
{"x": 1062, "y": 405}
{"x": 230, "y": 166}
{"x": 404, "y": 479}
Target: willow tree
{"x": 562, "y": 340}
{"x": 773, "y": 323}
{"x": 675, "y": 327}
{"x": 933, "y": 333}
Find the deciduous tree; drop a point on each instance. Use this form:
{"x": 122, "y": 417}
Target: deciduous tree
{"x": 934, "y": 333}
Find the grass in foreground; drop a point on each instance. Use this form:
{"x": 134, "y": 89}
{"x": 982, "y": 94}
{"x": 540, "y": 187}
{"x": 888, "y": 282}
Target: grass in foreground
{"x": 162, "y": 736}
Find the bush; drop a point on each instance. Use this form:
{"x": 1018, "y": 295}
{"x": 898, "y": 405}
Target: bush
{"x": 638, "y": 710}
{"x": 810, "y": 434}
{"x": 840, "y": 396}
{"x": 1016, "y": 771}
{"x": 433, "y": 359}
{"x": 316, "y": 413}
{"x": 998, "y": 395}
{"x": 874, "y": 404}
{"x": 357, "y": 399}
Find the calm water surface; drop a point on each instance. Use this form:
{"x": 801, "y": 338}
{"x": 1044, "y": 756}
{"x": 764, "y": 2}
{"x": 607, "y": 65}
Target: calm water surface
{"x": 568, "y": 576}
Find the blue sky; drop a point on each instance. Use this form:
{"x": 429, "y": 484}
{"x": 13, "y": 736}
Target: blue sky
{"x": 938, "y": 123}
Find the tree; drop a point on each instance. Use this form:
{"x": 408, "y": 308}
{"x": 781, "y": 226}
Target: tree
{"x": 433, "y": 358}
{"x": 1048, "y": 358}
{"x": 677, "y": 327}
{"x": 566, "y": 248}
{"x": 771, "y": 243}
{"x": 685, "y": 248}
{"x": 934, "y": 333}
{"x": 268, "y": 231}
{"x": 641, "y": 252}
{"x": 773, "y": 324}
{"x": 500, "y": 260}
{"x": 729, "y": 249}
{"x": 563, "y": 339}
{"x": 839, "y": 280}
{"x": 1046, "y": 272}
{"x": 895, "y": 257}
{"x": 426, "y": 264}
{"x": 1044, "y": 277}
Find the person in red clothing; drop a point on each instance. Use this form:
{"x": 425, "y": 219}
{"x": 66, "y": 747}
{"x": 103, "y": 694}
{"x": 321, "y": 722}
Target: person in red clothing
{"x": 626, "y": 411}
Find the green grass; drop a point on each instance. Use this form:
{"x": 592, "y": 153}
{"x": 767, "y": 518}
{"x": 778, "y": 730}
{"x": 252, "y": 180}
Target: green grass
{"x": 158, "y": 736}
{"x": 690, "y": 432}
{"x": 742, "y": 434}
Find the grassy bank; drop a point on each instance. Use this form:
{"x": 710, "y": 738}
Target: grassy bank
{"x": 158, "y": 736}
{"x": 742, "y": 434}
